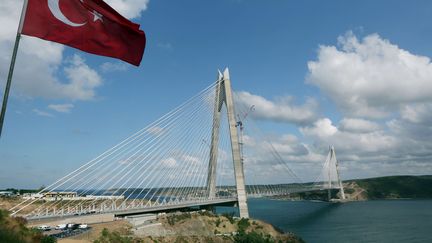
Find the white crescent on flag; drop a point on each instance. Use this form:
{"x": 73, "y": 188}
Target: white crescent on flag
{"x": 54, "y": 7}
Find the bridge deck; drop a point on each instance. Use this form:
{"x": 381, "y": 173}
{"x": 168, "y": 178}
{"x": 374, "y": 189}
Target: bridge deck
{"x": 119, "y": 212}
{"x": 171, "y": 207}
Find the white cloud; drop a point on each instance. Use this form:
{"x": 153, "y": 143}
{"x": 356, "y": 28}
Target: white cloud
{"x": 417, "y": 113}
{"x": 83, "y": 79}
{"x": 63, "y": 108}
{"x": 280, "y": 110}
{"x": 268, "y": 159}
{"x": 371, "y": 77}
{"x": 42, "y": 113}
{"x": 9, "y": 15}
{"x": 322, "y": 128}
{"x": 325, "y": 134}
{"x": 129, "y": 8}
{"x": 357, "y": 125}
{"x": 391, "y": 87}
{"x": 414, "y": 126}
{"x": 113, "y": 67}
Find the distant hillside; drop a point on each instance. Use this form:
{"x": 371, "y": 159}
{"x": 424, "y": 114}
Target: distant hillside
{"x": 391, "y": 187}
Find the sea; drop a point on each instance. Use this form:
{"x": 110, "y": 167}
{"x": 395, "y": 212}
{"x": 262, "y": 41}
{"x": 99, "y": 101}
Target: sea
{"x": 367, "y": 221}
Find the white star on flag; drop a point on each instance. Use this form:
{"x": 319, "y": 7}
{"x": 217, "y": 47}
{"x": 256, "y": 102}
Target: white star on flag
{"x": 97, "y": 16}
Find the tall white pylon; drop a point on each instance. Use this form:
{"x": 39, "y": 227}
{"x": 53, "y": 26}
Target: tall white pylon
{"x": 224, "y": 96}
{"x": 334, "y": 166}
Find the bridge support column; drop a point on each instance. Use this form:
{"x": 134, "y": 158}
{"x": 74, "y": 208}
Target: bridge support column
{"x": 340, "y": 185}
{"x": 224, "y": 95}
{"x": 341, "y": 189}
{"x": 211, "y": 177}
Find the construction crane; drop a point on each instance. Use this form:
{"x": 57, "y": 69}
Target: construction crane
{"x": 239, "y": 124}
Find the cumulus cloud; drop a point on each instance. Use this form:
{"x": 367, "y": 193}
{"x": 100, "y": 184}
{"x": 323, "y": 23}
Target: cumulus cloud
{"x": 417, "y": 113}
{"x": 322, "y": 128}
{"x": 280, "y": 110}
{"x": 385, "y": 94}
{"x": 326, "y": 133}
{"x": 276, "y": 158}
{"x": 63, "y": 108}
{"x": 83, "y": 79}
{"x": 415, "y": 125}
{"x": 385, "y": 128}
{"x": 370, "y": 77}
{"x": 358, "y": 125}
{"x": 129, "y": 8}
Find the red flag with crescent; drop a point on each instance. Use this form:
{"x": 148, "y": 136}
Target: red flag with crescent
{"x": 89, "y": 25}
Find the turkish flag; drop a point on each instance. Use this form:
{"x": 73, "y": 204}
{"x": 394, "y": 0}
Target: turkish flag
{"x": 89, "y": 25}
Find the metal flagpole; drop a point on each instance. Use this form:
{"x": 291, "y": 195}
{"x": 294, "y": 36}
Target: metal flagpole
{"x": 12, "y": 65}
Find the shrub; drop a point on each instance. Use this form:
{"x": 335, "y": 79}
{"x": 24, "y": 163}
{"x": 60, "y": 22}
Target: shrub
{"x": 171, "y": 220}
{"x": 243, "y": 224}
{"x": 229, "y": 216}
{"x": 252, "y": 237}
{"x": 218, "y": 221}
{"x": 14, "y": 230}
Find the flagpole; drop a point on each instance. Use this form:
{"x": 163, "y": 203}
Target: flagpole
{"x": 12, "y": 66}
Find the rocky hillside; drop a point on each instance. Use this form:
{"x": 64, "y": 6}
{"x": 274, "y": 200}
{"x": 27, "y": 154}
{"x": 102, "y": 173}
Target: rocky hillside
{"x": 202, "y": 226}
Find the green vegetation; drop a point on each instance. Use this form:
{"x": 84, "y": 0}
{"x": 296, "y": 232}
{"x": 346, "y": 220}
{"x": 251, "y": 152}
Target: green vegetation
{"x": 252, "y": 237}
{"x": 218, "y": 222}
{"x": 246, "y": 235}
{"x": 243, "y": 224}
{"x": 14, "y": 230}
{"x": 397, "y": 187}
{"x": 315, "y": 195}
{"x": 229, "y": 216}
{"x": 22, "y": 191}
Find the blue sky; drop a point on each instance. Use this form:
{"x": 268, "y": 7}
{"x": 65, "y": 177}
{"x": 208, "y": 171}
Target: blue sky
{"x": 268, "y": 46}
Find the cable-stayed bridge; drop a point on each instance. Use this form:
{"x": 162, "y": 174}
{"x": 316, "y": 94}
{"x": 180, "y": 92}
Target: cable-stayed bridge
{"x": 198, "y": 154}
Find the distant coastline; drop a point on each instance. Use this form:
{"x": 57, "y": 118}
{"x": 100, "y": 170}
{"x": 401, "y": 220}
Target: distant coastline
{"x": 377, "y": 188}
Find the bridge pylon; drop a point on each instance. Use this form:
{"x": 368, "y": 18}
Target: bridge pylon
{"x": 334, "y": 166}
{"x": 224, "y": 96}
